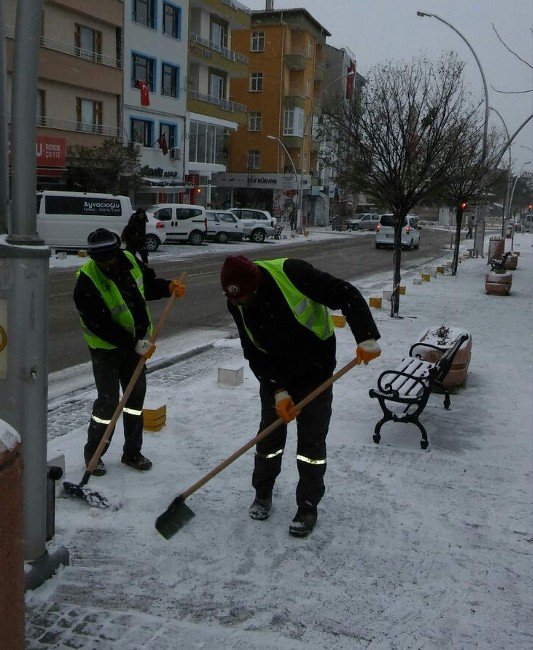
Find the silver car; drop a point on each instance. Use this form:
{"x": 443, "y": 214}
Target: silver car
{"x": 258, "y": 224}
{"x": 223, "y": 226}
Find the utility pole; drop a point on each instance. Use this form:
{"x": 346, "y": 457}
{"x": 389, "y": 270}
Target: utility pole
{"x": 24, "y": 294}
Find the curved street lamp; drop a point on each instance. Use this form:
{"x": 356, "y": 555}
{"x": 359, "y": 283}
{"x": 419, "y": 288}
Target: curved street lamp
{"x": 423, "y": 14}
{"x": 506, "y": 207}
{"x": 528, "y": 162}
{"x": 298, "y": 178}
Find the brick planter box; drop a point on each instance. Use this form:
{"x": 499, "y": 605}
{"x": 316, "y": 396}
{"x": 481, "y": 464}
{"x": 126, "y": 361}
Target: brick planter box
{"x": 498, "y": 284}
{"x": 11, "y": 549}
{"x": 459, "y": 370}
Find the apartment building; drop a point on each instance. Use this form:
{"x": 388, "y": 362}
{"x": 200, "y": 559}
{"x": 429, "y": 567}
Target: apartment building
{"x": 155, "y": 68}
{"x": 215, "y": 64}
{"x": 274, "y": 156}
{"x": 79, "y": 99}
{"x": 342, "y": 84}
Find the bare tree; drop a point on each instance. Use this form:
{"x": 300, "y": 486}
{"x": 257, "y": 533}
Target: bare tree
{"x": 101, "y": 169}
{"x": 400, "y": 142}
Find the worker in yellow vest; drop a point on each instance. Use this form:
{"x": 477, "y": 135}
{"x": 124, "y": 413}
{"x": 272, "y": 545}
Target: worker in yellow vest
{"x": 287, "y": 336}
{"x": 111, "y": 292}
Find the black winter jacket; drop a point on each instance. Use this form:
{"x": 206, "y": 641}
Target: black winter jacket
{"x": 97, "y": 316}
{"x": 294, "y": 356}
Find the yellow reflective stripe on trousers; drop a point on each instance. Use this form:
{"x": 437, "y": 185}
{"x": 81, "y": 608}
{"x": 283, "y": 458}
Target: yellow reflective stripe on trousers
{"x": 132, "y": 411}
{"x": 99, "y": 420}
{"x": 273, "y": 454}
{"x": 311, "y": 461}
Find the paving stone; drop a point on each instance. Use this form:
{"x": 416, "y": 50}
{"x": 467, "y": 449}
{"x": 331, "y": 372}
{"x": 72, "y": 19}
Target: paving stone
{"x": 51, "y": 637}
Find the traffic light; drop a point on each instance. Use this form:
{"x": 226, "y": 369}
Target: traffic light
{"x": 463, "y": 206}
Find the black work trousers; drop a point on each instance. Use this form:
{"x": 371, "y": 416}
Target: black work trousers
{"x": 112, "y": 369}
{"x": 312, "y": 429}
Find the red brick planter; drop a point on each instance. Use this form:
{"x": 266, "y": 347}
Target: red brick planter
{"x": 498, "y": 284}
{"x": 11, "y": 549}
{"x": 459, "y": 370}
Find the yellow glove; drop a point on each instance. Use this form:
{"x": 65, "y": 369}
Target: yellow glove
{"x": 366, "y": 351}
{"x": 145, "y": 348}
{"x": 177, "y": 288}
{"x": 285, "y": 407}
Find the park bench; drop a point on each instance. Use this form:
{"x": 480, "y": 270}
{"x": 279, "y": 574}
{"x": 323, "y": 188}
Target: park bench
{"x": 498, "y": 264}
{"x": 404, "y": 392}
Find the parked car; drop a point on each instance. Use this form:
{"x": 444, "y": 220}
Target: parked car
{"x": 155, "y": 234}
{"x": 223, "y": 226}
{"x": 258, "y": 224}
{"x": 385, "y": 232}
{"x": 65, "y": 219}
{"x": 365, "y": 221}
{"x": 183, "y": 222}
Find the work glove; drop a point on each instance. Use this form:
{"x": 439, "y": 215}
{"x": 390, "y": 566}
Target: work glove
{"x": 177, "y": 288}
{"x": 285, "y": 407}
{"x": 145, "y": 348}
{"x": 366, "y": 351}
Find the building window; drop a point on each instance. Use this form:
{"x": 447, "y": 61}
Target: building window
{"x": 170, "y": 133}
{"x": 258, "y": 42}
{"x": 171, "y": 20}
{"x": 208, "y": 143}
{"x": 217, "y": 85}
{"x": 255, "y": 121}
{"x": 144, "y": 12}
{"x": 88, "y": 43}
{"x": 254, "y": 159}
{"x": 169, "y": 80}
{"x": 41, "y": 108}
{"x": 141, "y": 131}
{"x": 89, "y": 115}
{"x": 293, "y": 122}
{"x": 218, "y": 34}
{"x": 142, "y": 69}
{"x": 256, "y": 82}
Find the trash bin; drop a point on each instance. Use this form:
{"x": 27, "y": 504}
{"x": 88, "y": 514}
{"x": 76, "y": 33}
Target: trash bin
{"x": 496, "y": 247}
{"x": 11, "y": 540}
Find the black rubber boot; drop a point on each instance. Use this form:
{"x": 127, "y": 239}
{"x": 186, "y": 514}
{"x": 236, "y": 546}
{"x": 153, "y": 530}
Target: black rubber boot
{"x": 303, "y": 522}
{"x": 99, "y": 470}
{"x": 260, "y": 508}
{"x": 137, "y": 461}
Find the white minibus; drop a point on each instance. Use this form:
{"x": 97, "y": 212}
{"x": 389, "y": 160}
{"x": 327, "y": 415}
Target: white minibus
{"x": 64, "y": 219}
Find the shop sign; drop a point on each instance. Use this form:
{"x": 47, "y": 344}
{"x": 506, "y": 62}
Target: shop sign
{"x": 50, "y": 151}
{"x": 266, "y": 181}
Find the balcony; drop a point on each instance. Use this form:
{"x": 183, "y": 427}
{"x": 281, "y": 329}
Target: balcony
{"x": 202, "y": 50}
{"x": 295, "y": 61}
{"x": 218, "y": 107}
{"x": 235, "y": 13}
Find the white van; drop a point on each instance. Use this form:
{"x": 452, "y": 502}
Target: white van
{"x": 385, "y": 232}
{"x": 65, "y": 219}
{"x": 183, "y": 222}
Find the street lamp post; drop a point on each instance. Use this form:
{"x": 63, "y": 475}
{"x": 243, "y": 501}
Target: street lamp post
{"x": 298, "y": 178}
{"x": 485, "y": 88}
{"x": 506, "y": 206}
{"x": 528, "y": 162}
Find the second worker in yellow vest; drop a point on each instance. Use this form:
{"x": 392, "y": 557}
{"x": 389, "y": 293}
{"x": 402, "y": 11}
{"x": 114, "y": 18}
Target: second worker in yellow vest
{"x": 287, "y": 335}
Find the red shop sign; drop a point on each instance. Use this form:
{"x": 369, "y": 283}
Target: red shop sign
{"x": 50, "y": 152}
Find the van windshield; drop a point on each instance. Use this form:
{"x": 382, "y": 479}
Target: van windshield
{"x": 390, "y": 220}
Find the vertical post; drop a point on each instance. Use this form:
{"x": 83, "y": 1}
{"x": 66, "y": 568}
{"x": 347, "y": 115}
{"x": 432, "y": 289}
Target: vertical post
{"x": 4, "y": 144}
{"x": 24, "y": 287}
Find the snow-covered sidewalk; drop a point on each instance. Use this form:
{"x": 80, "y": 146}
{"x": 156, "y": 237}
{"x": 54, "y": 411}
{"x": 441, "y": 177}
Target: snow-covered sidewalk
{"x": 413, "y": 549}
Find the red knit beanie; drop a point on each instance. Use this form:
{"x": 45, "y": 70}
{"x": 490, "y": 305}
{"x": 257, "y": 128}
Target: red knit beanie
{"x": 239, "y": 276}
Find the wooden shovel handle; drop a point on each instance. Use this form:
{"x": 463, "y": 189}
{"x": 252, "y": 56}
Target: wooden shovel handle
{"x": 264, "y": 433}
{"x": 131, "y": 385}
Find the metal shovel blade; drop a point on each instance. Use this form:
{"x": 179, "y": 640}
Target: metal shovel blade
{"x": 94, "y": 499}
{"x": 175, "y": 517}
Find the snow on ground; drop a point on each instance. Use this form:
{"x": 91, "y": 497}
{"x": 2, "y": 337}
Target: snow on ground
{"x": 412, "y": 549}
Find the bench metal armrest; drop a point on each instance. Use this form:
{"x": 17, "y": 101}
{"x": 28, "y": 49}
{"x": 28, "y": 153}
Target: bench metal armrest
{"x": 424, "y": 345}
{"x": 385, "y": 387}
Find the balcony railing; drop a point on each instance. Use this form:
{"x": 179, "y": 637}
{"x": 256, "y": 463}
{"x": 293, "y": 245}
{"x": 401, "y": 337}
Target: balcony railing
{"x": 81, "y": 127}
{"x": 224, "y": 104}
{"x": 237, "y": 6}
{"x": 68, "y": 48}
{"x": 223, "y": 51}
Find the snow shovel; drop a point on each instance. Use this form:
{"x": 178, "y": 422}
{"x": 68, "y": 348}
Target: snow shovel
{"x": 81, "y": 490}
{"x": 178, "y": 512}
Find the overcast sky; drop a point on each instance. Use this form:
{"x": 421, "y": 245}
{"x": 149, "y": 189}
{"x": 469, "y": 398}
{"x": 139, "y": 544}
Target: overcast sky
{"x": 380, "y": 30}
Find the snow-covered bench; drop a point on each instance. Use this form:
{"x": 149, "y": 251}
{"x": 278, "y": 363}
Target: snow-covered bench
{"x": 403, "y": 392}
